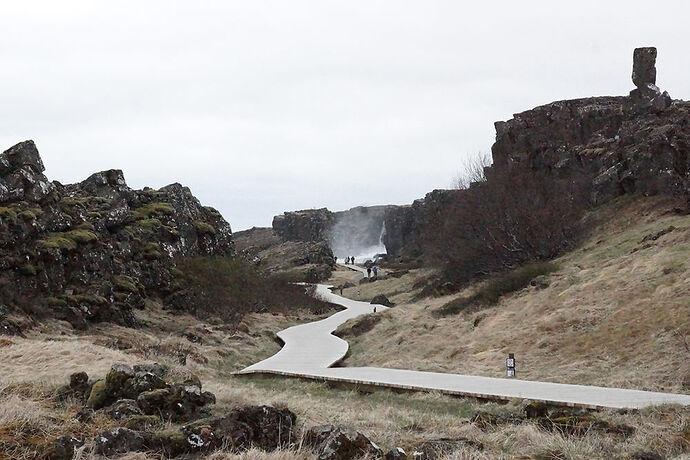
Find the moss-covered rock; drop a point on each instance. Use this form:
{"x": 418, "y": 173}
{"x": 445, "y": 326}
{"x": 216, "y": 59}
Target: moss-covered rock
{"x": 142, "y": 422}
{"x": 99, "y": 395}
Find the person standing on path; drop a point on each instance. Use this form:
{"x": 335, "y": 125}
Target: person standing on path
{"x": 374, "y": 308}
{"x": 352, "y": 260}
{"x": 376, "y": 272}
{"x": 368, "y": 272}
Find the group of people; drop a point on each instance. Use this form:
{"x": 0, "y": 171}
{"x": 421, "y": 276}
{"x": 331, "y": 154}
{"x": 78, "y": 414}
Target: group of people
{"x": 351, "y": 261}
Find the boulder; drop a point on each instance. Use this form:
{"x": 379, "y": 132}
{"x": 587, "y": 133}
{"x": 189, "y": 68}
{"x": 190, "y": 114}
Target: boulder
{"x": 647, "y": 95}
{"x": 644, "y": 66}
{"x": 396, "y": 453}
{"x": 437, "y": 448}
{"x": 21, "y": 174}
{"x": 124, "y": 382}
{"x": 108, "y": 184}
{"x": 142, "y": 422}
{"x": 264, "y": 427}
{"x": 63, "y": 448}
{"x": 170, "y": 442}
{"x": 535, "y": 409}
{"x": 122, "y": 409}
{"x": 118, "y": 441}
{"x": 78, "y": 387}
{"x": 154, "y": 368}
{"x": 179, "y": 402}
{"x": 117, "y": 378}
{"x": 382, "y": 300}
{"x": 99, "y": 396}
{"x": 332, "y": 442}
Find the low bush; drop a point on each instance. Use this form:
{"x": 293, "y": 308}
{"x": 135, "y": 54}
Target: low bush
{"x": 497, "y": 286}
{"x": 229, "y": 287}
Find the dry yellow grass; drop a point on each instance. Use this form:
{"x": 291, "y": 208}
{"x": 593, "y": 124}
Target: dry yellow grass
{"x": 615, "y": 314}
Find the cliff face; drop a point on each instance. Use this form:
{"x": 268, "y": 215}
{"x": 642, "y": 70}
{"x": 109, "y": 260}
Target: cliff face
{"x": 94, "y": 251}
{"x": 306, "y": 225}
{"x": 623, "y": 144}
{"x": 622, "y": 150}
{"x": 347, "y": 232}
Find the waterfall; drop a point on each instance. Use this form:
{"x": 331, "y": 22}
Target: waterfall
{"x": 381, "y": 235}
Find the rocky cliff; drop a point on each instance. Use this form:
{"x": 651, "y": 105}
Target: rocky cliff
{"x": 346, "y": 232}
{"x": 96, "y": 250}
{"x": 638, "y": 143}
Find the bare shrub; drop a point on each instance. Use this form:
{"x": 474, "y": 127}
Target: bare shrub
{"x": 515, "y": 216}
{"x": 228, "y": 288}
{"x": 472, "y": 171}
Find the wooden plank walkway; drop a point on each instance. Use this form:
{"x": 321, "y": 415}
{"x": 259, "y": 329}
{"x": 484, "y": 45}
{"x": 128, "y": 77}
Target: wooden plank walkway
{"x": 310, "y": 349}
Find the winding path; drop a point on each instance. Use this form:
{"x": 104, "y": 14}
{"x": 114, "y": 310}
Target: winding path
{"x": 310, "y": 349}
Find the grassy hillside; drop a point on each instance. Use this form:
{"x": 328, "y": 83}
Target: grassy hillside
{"x": 615, "y": 312}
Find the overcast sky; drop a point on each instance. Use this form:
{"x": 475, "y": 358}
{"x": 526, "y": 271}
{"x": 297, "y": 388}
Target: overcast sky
{"x": 266, "y": 106}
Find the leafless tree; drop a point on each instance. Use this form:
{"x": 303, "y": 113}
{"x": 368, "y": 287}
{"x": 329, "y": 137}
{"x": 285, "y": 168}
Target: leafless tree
{"x": 472, "y": 171}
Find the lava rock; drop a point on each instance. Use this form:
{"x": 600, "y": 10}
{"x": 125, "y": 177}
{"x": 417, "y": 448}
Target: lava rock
{"x": 142, "y": 422}
{"x": 99, "y": 396}
{"x": 332, "y": 442}
{"x": 536, "y": 409}
{"x": 63, "y": 448}
{"x": 396, "y": 453}
{"x": 179, "y": 402}
{"x": 122, "y": 409}
{"x": 437, "y": 448}
{"x": 118, "y": 441}
{"x": 644, "y": 66}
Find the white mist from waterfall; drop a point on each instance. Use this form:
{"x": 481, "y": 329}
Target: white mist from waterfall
{"x": 369, "y": 252}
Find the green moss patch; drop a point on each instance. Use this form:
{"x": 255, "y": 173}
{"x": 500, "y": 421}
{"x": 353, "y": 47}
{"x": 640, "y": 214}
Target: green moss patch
{"x": 68, "y": 240}
{"x": 203, "y": 228}
{"x": 152, "y": 251}
{"x": 125, "y": 284}
{"x": 8, "y": 213}
{"x": 156, "y": 209}
{"x": 89, "y": 299}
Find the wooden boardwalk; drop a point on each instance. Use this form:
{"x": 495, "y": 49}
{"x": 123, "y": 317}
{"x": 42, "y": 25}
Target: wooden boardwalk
{"x": 310, "y": 349}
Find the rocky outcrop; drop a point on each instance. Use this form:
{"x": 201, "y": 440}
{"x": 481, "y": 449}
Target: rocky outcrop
{"x": 332, "y": 442}
{"x": 309, "y": 261}
{"x": 306, "y": 225}
{"x": 405, "y": 225}
{"x": 635, "y": 144}
{"x": 618, "y": 144}
{"x": 96, "y": 250}
{"x": 647, "y": 96}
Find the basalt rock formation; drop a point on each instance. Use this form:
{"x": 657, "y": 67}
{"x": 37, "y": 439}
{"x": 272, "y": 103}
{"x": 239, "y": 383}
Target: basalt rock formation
{"x": 620, "y": 144}
{"x": 96, "y": 250}
{"x": 306, "y": 225}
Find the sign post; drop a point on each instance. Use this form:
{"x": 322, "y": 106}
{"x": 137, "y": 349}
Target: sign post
{"x": 510, "y": 365}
